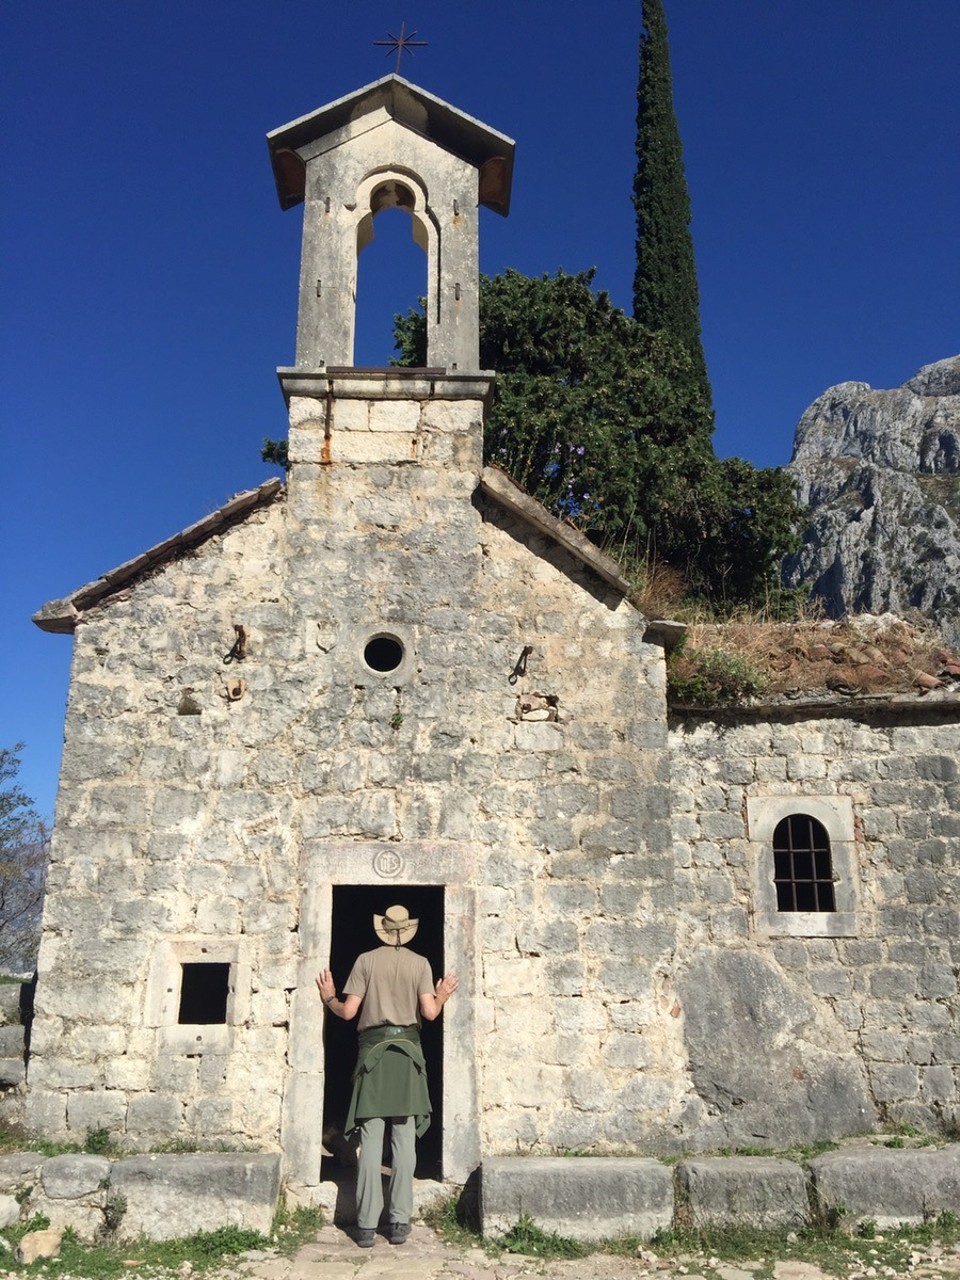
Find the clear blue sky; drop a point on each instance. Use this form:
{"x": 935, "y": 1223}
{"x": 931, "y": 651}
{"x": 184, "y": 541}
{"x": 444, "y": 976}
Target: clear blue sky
{"x": 148, "y": 280}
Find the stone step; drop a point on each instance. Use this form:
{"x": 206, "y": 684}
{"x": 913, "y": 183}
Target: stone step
{"x": 583, "y": 1197}
{"x": 760, "y": 1190}
{"x": 162, "y": 1196}
{"x": 595, "y": 1197}
{"x": 888, "y": 1185}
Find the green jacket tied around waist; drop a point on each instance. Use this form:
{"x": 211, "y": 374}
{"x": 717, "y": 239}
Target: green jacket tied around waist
{"x": 390, "y": 1078}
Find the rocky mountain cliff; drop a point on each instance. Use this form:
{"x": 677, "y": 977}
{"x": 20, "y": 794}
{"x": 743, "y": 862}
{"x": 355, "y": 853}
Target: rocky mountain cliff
{"x": 880, "y": 471}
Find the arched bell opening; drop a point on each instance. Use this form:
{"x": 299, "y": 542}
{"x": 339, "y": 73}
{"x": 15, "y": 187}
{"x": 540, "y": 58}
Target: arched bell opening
{"x": 392, "y": 276}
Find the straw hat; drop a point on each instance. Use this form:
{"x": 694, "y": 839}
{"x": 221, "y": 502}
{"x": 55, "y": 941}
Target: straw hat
{"x": 395, "y": 926}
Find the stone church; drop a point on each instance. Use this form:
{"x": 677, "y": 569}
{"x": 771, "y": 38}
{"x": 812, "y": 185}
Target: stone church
{"x": 397, "y": 678}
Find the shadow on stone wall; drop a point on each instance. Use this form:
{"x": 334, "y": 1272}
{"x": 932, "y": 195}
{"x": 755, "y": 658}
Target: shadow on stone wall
{"x": 770, "y": 1066}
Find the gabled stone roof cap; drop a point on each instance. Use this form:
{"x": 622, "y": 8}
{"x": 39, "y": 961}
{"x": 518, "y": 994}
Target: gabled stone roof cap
{"x": 486, "y": 149}
{"x": 61, "y": 616}
{"x": 508, "y": 493}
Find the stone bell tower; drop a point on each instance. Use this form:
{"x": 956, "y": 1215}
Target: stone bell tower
{"x": 389, "y": 145}
{"x": 387, "y": 562}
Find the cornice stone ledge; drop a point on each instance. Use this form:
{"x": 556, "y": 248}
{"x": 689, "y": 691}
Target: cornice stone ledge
{"x": 385, "y": 384}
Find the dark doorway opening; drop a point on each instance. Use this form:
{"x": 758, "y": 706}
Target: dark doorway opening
{"x": 354, "y": 907}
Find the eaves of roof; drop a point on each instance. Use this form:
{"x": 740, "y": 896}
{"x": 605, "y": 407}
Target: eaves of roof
{"x": 935, "y": 704}
{"x": 503, "y": 489}
{"x": 488, "y": 150}
{"x": 61, "y": 616}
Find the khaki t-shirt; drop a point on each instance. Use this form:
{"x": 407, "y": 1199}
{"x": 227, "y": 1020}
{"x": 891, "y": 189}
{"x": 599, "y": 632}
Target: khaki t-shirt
{"x": 390, "y": 981}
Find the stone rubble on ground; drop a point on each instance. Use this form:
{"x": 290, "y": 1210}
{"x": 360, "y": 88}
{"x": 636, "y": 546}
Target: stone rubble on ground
{"x": 39, "y": 1244}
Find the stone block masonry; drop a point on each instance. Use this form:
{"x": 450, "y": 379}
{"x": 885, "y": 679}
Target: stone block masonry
{"x": 401, "y": 674}
{"x": 13, "y": 1071}
{"x": 888, "y": 1187}
{"x": 165, "y": 1197}
{"x": 626, "y": 984}
{"x": 583, "y": 1198}
{"x": 202, "y": 831}
{"x": 169, "y": 1196}
{"x": 819, "y": 1024}
{"x": 763, "y": 1192}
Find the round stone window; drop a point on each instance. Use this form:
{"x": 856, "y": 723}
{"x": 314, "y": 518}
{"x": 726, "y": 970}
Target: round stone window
{"x": 383, "y": 653}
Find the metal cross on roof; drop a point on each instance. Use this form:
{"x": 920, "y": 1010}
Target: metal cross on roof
{"x": 401, "y": 44}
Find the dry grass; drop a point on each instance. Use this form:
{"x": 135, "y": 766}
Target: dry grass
{"x": 728, "y": 662}
{"x": 855, "y": 656}
{"x": 659, "y": 591}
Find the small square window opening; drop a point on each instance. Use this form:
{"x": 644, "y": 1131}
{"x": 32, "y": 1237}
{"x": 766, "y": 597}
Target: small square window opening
{"x": 204, "y": 989}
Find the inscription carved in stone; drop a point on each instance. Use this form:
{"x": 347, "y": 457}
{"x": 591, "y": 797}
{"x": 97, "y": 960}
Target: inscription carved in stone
{"x": 389, "y": 864}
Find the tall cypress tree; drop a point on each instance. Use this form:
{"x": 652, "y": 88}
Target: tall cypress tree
{"x": 665, "y": 294}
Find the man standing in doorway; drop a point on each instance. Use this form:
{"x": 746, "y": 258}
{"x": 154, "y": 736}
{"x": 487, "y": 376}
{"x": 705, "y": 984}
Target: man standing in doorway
{"x": 393, "y": 990}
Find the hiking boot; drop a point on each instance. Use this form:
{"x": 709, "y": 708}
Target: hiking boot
{"x": 399, "y": 1232}
{"x": 365, "y": 1237}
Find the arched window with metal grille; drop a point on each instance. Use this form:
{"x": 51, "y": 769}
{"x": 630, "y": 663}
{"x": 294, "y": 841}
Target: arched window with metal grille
{"x": 803, "y": 865}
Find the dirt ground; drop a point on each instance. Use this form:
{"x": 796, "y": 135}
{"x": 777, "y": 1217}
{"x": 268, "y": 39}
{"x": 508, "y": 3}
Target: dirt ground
{"x": 335, "y": 1256}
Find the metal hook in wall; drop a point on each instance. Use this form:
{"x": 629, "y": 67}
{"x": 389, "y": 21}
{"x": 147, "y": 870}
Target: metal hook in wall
{"x": 521, "y": 665}
{"x": 239, "y": 650}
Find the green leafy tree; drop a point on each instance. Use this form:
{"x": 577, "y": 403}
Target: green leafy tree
{"x": 24, "y": 848}
{"x": 665, "y": 293}
{"x": 599, "y": 418}
{"x": 275, "y": 452}
{"x": 747, "y": 520}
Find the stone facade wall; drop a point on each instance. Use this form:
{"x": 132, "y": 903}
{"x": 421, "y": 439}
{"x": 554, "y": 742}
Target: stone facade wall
{"x": 626, "y": 985}
{"x": 799, "y": 1036}
{"x": 167, "y": 826}
{"x": 201, "y": 820}
{"x": 577, "y": 903}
